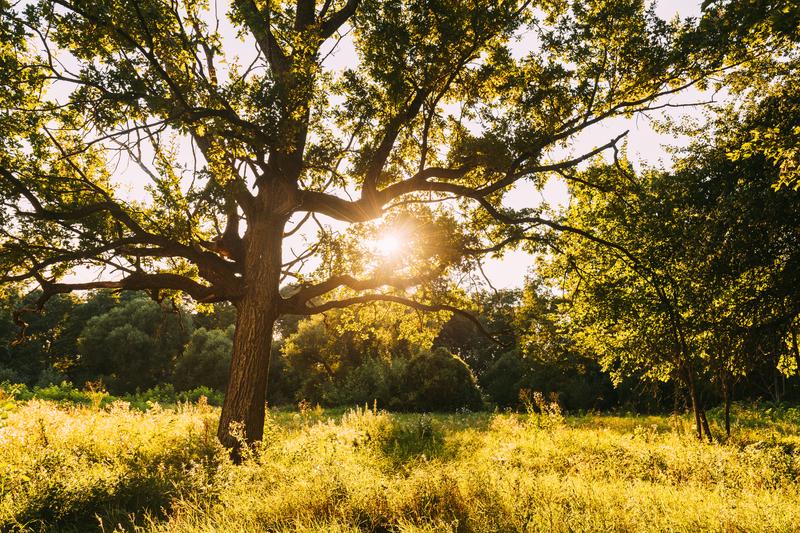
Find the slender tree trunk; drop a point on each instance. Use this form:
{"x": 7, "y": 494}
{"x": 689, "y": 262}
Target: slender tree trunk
{"x": 695, "y": 404}
{"x": 245, "y": 397}
{"x": 726, "y": 390}
{"x": 677, "y": 395}
{"x": 706, "y": 428}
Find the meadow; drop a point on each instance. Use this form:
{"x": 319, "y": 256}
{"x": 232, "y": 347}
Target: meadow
{"x": 66, "y": 467}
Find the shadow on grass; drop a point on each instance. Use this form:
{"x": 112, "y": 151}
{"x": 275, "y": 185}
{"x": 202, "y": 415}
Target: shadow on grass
{"x": 139, "y": 486}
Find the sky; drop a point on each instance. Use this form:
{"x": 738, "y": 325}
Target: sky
{"x": 643, "y": 144}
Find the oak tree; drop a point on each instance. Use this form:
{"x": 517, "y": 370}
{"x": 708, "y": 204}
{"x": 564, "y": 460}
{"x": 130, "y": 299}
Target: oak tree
{"x": 172, "y": 146}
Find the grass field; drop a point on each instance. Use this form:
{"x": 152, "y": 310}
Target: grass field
{"x": 69, "y": 468}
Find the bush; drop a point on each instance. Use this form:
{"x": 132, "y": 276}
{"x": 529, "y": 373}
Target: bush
{"x": 132, "y": 346}
{"x": 206, "y": 360}
{"x": 376, "y": 380}
{"x": 579, "y": 382}
{"x": 66, "y": 393}
{"x": 212, "y": 396}
{"x": 439, "y": 381}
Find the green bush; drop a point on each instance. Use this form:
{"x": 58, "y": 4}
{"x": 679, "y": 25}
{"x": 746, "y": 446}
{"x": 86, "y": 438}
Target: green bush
{"x": 375, "y": 380}
{"x": 212, "y": 396}
{"x": 132, "y": 346}
{"x": 206, "y": 360}
{"x": 66, "y": 393}
{"x": 579, "y": 382}
{"x": 429, "y": 381}
{"x": 437, "y": 380}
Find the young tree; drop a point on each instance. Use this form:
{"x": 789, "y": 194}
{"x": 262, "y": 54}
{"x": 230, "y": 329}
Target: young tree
{"x": 446, "y": 102}
{"x": 689, "y": 274}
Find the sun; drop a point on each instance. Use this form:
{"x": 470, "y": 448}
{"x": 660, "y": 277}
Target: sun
{"x": 390, "y": 244}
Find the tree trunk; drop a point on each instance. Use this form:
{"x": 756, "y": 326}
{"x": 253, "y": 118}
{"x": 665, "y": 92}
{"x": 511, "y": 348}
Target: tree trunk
{"x": 257, "y": 310}
{"x": 695, "y": 404}
{"x": 726, "y": 389}
{"x": 706, "y": 428}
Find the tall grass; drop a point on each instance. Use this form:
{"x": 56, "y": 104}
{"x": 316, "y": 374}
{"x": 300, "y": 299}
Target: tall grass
{"x": 366, "y": 470}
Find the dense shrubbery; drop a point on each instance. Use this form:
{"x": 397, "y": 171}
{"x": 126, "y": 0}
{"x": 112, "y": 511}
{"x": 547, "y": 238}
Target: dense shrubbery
{"x": 431, "y": 380}
{"x": 205, "y": 360}
{"x": 132, "y": 346}
{"x": 128, "y": 342}
{"x": 439, "y": 381}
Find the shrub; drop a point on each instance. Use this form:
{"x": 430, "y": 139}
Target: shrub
{"x": 132, "y": 346}
{"x": 375, "y": 380}
{"x": 212, "y": 396}
{"x": 66, "y": 394}
{"x": 437, "y": 380}
{"x": 206, "y": 360}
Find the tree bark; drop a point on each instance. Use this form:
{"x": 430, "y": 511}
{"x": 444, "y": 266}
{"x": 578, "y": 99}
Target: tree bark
{"x": 257, "y": 310}
{"x": 726, "y": 389}
{"x": 706, "y": 427}
{"x": 695, "y": 403}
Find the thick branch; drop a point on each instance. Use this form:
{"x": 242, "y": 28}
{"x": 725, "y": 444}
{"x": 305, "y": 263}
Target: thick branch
{"x": 154, "y": 282}
{"x": 335, "y": 21}
{"x": 365, "y": 209}
{"x": 367, "y": 298}
{"x": 259, "y": 25}
{"x": 305, "y": 14}
{"x": 306, "y": 294}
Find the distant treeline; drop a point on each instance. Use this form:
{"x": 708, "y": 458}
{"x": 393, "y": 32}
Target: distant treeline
{"x": 127, "y": 343}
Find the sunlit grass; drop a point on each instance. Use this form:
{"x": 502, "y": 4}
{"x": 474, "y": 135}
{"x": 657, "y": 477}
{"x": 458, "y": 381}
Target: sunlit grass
{"x": 81, "y": 468}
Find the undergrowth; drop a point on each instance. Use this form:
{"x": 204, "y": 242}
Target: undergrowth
{"x": 95, "y": 467}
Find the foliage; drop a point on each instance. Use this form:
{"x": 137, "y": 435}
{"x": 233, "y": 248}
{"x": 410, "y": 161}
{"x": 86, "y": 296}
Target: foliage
{"x": 65, "y": 393}
{"x": 683, "y": 275}
{"x": 437, "y": 380}
{"x": 496, "y": 310}
{"x": 206, "y": 360}
{"x": 765, "y": 57}
{"x": 49, "y": 340}
{"x": 96, "y": 339}
{"x": 356, "y": 355}
{"x": 134, "y": 345}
